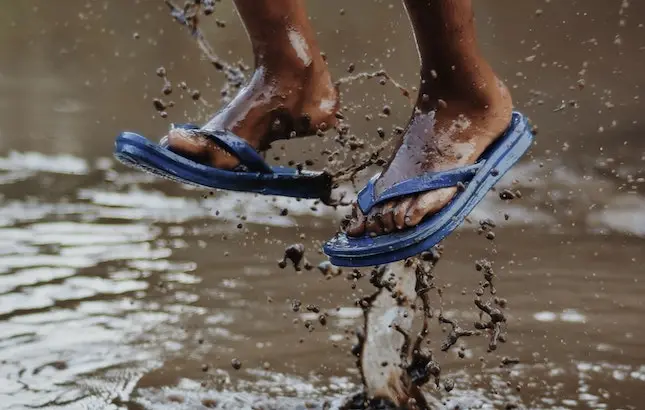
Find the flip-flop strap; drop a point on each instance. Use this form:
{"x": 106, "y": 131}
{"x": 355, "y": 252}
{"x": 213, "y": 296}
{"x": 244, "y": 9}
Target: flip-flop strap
{"x": 429, "y": 181}
{"x": 249, "y": 158}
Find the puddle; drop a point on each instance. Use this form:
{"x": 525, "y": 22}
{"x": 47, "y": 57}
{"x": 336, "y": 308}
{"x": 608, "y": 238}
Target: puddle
{"x": 121, "y": 291}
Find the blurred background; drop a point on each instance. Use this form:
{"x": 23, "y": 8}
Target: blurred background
{"x": 118, "y": 290}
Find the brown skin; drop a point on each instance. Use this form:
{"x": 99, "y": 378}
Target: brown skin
{"x": 462, "y": 107}
{"x": 290, "y": 91}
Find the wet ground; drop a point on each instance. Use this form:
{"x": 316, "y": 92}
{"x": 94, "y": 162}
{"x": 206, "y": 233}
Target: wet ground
{"x": 118, "y": 290}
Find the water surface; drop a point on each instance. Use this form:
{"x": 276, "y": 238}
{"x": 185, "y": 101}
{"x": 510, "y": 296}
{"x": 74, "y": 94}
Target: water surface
{"x": 121, "y": 291}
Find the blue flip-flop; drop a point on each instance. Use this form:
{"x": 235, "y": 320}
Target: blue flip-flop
{"x": 478, "y": 179}
{"x": 253, "y": 174}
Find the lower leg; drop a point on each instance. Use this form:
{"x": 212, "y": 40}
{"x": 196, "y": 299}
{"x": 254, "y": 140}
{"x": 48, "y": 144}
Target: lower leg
{"x": 290, "y": 92}
{"x": 461, "y": 108}
{"x": 452, "y": 67}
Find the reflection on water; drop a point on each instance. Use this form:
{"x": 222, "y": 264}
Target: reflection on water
{"x": 117, "y": 289}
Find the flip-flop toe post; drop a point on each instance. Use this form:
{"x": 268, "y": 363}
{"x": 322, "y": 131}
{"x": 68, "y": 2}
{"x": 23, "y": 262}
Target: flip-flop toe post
{"x": 477, "y": 180}
{"x": 252, "y": 174}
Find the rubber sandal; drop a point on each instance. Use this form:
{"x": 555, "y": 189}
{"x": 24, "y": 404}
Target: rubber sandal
{"x": 478, "y": 179}
{"x": 253, "y": 174}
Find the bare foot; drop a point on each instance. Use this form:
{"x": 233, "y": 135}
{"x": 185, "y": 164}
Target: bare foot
{"x": 452, "y": 135}
{"x": 273, "y": 106}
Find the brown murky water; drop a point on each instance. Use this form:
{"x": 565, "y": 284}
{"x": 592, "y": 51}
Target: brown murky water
{"x": 118, "y": 290}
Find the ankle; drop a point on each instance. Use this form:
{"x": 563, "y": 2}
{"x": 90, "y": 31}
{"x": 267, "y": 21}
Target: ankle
{"x": 284, "y": 67}
{"x": 485, "y": 97}
{"x": 296, "y": 56}
{"x": 311, "y": 85}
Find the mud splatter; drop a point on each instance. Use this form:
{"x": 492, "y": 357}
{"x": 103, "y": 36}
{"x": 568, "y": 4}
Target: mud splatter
{"x": 406, "y": 365}
{"x": 189, "y": 16}
{"x": 382, "y": 75}
{"x": 399, "y": 379}
{"x": 455, "y": 333}
{"x": 296, "y": 255}
{"x": 509, "y": 361}
{"x": 349, "y": 173}
{"x": 507, "y": 194}
{"x": 493, "y": 308}
{"x": 236, "y": 364}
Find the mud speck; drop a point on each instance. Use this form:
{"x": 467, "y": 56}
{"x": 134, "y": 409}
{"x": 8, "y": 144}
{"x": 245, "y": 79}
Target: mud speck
{"x": 158, "y": 104}
{"x": 455, "y": 333}
{"x": 209, "y": 403}
{"x": 295, "y": 254}
{"x": 509, "y": 361}
{"x": 507, "y": 195}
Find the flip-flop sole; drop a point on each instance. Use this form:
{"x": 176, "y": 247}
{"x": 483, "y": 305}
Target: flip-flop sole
{"x": 136, "y": 151}
{"x": 367, "y": 251}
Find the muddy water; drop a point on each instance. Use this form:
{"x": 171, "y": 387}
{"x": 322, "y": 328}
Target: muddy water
{"x": 121, "y": 291}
